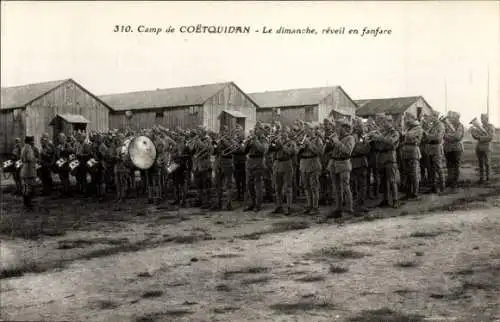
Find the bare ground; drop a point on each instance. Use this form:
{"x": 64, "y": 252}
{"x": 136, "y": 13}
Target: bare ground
{"x": 435, "y": 260}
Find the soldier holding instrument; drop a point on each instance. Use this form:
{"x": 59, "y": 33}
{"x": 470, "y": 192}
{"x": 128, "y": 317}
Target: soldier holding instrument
{"x": 310, "y": 151}
{"x": 435, "y": 153}
{"x": 255, "y": 147}
{"x": 453, "y": 148}
{"x": 202, "y": 168}
{"x": 47, "y": 160}
{"x": 63, "y": 151}
{"x": 83, "y": 153}
{"x": 239, "y": 160}
{"x": 410, "y": 155}
{"x": 224, "y": 171}
{"x": 29, "y": 156}
{"x": 359, "y": 161}
{"x": 16, "y": 174}
{"x": 181, "y": 176}
{"x": 483, "y": 136}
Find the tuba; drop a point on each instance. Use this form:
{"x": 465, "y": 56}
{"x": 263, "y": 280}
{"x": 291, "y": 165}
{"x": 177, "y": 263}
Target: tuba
{"x": 476, "y": 125}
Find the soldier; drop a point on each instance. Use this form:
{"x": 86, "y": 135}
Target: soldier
{"x": 483, "y": 148}
{"x": 181, "y": 176}
{"x": 284, "y": 149}
{"x": 239, "y": 160}
{"x": 453, "y": 148}
{"x": 324, "y": 180}
{"x": 410, "y": 155}
{"x": 339, "y": 148}
{"x": 435, "y": 153}
{"x": 373, "y": 171}
{"x": 47, "y": 159}
{"x": 310, "y": 151}
{"x": 255, "y": 147}
{"x": 28, "y": 170}
{"x": 386, "y": 142}
{"x": 359, "y": 161}
{"x": 268, "y": 172}
{"x": 202, "y": 168}
{"x": 83, "y": 152}
{"x": 63, "y": 151}
{"x": 121, "y": 171}
{"x": 424, "y": 157}
{"x": 224, "y": 171}
{"x": 16, "y": 174}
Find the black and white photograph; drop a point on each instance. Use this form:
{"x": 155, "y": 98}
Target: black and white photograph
{"x": 229, "y": 161}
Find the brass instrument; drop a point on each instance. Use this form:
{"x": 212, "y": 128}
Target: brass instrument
{"x": 445, "y": 120}
{"x": 476, "y": 125}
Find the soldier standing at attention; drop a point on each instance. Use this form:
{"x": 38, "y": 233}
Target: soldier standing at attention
{"x": 359, "y": 161}
{"x": 483, "y": 148}
{"x": 182, "y": 157}
{"x": 16, "y": 155}
{"x": 339, "y": 148}
{"x": 453, "y": 148}
{"x": 373, "y": 171}
{"x": 410, "y": 155}
{"x": 435, "y": 153}
{"x": 47, "y": 159}
{"x": 202, "y": 168}
{"x": 28, "y": 170}
{"x": 83, "y": 152}
{"x": 268, "y": 172}
{"x": 424, "y": 157}
{"x": 63, "y": 151}
{"x": 387, "y": 143}
{"x": 223, "y": 172}
{"x": 239, "y": 159}
{"x": 256, "y": 148}
{"x": 324, "y": 179}
{"x": 121, "y": 171}
{"x": 284, "y": 149}
{"x": 310, "y": 152}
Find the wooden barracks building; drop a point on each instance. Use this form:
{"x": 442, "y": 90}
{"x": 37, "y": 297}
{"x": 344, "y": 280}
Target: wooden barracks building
{"x": 307, "y": 104}
{"x": 211, "y": 106}
{"x": 52, "y": 107}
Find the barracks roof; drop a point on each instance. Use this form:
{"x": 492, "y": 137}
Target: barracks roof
{"x": 293, "y": 97}
{"x": 395, "y": 105}
{"x": 20, "y": 96}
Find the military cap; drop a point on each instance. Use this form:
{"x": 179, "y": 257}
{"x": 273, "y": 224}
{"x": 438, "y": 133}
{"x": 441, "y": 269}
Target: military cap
{"x": 344, "y": 122}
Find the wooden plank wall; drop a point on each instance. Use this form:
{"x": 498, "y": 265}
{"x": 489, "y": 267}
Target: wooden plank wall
{"x": 66, "y": 99}
{"x": 12, "y": 125}
{"x": 170, "y": 117}
{"x": 264, "y": 115}
{"x": 230, "y": 98}
{"x": 338, "y": 102}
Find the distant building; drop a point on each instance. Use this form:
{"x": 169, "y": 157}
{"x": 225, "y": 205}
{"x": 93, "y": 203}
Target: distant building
{"x": 396, "y": 107}
{"x": 52, "y": 107}
{"x": 211, "y": 106}
{"x": 307, "y": 104}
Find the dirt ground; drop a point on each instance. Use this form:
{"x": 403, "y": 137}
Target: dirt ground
{"x": 433, "y": 260}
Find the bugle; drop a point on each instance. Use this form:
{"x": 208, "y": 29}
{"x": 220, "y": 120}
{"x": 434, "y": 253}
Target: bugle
{"x": 445, "y": 120}
{"x": 478, "y": 127}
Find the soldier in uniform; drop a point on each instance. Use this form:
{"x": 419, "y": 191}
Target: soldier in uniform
{"x": 387, "y": 142}
{"x": 47, "y": 159}
{"x": 63, "y": 151}
{"x": 16, "y": 174}
{"x": 224, "y": 171}
{"x": 28, "y": 170}
{"x": 324, "y": 180}
{"x": 202, "y": 168}
{"x": 268, "y": 172}
{"x": 359, "y": 161}
{"x": 181, "y": 176}
{"x": 239, "y": 160}
{"x": 483, "y": 148}
{"x": 121, "y": 171}
{"x": 83, "y": 153}
{"x": 424, "y": 157}
{"x": 373, "y": 171}
{"x": 435, "y": 153}
{"x": 255, "y": 148}
{"x": 453, "y": 148}
{"x": 284, "y": 149}
{"x": 339, "y": 148}
{"x": 410, "y": 155}
{"x": 310, "y": 152}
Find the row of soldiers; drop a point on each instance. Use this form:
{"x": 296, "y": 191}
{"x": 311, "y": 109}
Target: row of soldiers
{"x": 340, "y": 158}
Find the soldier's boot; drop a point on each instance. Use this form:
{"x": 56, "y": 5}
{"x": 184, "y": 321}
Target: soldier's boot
{"x": 250, "y": 207}
{"x": 278, "y": 210}
{"x": 308, "y": 207}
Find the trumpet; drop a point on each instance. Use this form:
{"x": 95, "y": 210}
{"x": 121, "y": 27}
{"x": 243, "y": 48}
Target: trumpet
{"x": 368, "y": 137}
{"x": 447, "y": 123}
{"x": 478, "y": 127}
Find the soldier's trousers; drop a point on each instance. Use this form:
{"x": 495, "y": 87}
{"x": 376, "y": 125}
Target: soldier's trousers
{"x": 155, "y": 183}
{"x": 204, "y": 184}
{"x": 388, "y": 177}
{"x": 180, "y": 179}
{"x": 64, "y": 177}
{"x": 283, "y": 186}
{"x": 98, "y": 181}
{"x": 325, "y": 187}
{"x": 436, "y": 172}
{"x": 268, "y": 183}
{"x": 224, "y": 185}
{"x": 411, "y": 169}
{"x": 46, "y": 178}
{"x": 240, "y": 180}
{"x": 122, "y": 179}
{"x": 310, "y": 183}
{"x": 28, "y": 191}
{"x": 483, "y": 158}
{"x": 453, "y": 159}
{"x": 358, "y": 185}
{"x": 424, "y": 165}
{"x": 16, "y": 175}
{"x": 81, "y": 178}
{"x": 254, "y": 185}
{"x": 342, "y": 193}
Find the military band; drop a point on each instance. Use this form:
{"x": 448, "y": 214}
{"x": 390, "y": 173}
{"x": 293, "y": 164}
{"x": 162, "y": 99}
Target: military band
{"x": 343, "y": 161}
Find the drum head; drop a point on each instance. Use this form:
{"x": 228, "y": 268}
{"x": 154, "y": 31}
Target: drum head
{"x": 142, "y": 152}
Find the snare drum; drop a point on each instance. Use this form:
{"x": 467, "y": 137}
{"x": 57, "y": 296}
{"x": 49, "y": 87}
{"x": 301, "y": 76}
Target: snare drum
{"x": 172, "y": 167}
{"x": 74, "y": 167}
{"x": 9, "y": 166}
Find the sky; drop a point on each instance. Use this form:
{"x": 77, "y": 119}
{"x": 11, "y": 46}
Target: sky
{"x": 435, "y": 47}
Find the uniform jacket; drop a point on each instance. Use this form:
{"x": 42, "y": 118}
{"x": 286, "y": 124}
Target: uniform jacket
{"x": 201, "y": 158}
{"x": 221, "y": 160}
{"x": 47, "y": 154}
{"x": 16, "y": 152}
{"x": 411, "y": 142}
{"x": 434, "y": 140}
{"x": 359, "y": 155}
{"x": 28, "y": 158}
{"x": 340, "y": 152}
{"x": 83, "y": 150}
{"x": 310, "y": 156}
{"x": 483, "y": 141}
{"x": 388, "y": 142}
{"x": 453, "y": 140}
{"x": 284, "y": 152}
{"x": 256, "y": 150}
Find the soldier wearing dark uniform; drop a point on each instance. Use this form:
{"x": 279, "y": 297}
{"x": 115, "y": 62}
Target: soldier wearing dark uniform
{"x": 47, "y": 160}
{"x": 410, "y": 155}
{"x": 181, "y": 176}
{"x": 202, "y": 168}
{"x": 268, "y": 173}
{"x": 83, "y": 153}
{"x": 256, "y": 148}
{"x": 121, "y": 171}
{"x": 483, "y": 148}
{"x": 453, "y": 148}
{"x": 373, "y": 171}
{"x": 324, "y": 180}
{"x": 284, "y": 149}
{"x": 28, "y": 170}
{"x": 63, "y": 151}
{"x": 386, "y": 143}
{"x": 239, "y": 160}
{"x": 435, "y": 153}
{"x": 224, "y": 172}
{"x": 310, "y": 152}
{"x": 424, "y": 157}
{"x": 359, "y": 161}
{"x": 339, "y": 148}
{"x": 16, "y": 174}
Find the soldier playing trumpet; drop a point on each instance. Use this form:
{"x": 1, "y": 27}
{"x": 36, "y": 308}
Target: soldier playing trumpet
{"x": 224, "y": 170}
{"x": 434, "y": 134}
{"x": 453, "y": 147}
{"x": 483, "y": 133}
{"x": 410, "y": 155}
{"x": 255, "y": 147}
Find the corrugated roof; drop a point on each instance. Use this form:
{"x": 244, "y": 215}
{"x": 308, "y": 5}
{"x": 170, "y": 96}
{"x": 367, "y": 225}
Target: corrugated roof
{"x": 292, "y": 97}
{"x": 235, "y": 113}
{"x": 395, "y": 105}
{"x": 168, "y": 97}
{"x": 72, "y": 118}
{"x": 20, "y": 96}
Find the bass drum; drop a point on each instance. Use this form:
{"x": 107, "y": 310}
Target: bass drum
{"x": 140, "y": 152}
